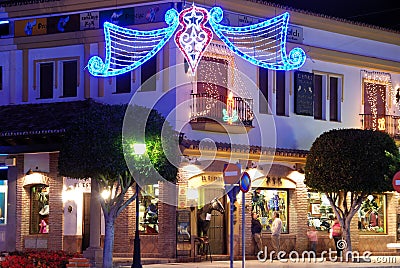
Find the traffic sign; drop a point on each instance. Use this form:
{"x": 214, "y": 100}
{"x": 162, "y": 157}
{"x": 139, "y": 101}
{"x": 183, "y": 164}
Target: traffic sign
{"x": 245, "y": 182}
{"x": 232, "y": 173}
{"x": 396, "y": 182}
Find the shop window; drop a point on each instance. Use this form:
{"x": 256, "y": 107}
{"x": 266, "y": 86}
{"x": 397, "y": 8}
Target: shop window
{"x": 265, "y": 202}
{"x": 39, "y": 214}
{"x": 46, "y": 82}
{"x": 263, "y": 93}
{"x": 320, "y": 213}
{"x": 148, "y": 209}
{"x": 372, "y": 215}
{"x": 70, "y": 78}
{"x": 148, "y": 70}
{"x": 280, "y": 93}
{"x": 3, "y": 201}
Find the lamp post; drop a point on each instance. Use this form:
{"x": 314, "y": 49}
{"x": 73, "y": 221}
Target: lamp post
{"x": 139, "y": 149}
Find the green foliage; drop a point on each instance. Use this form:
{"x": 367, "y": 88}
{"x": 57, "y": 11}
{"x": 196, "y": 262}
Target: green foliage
{"x": 93, "y": 146}
{"x": 352, "y": 160}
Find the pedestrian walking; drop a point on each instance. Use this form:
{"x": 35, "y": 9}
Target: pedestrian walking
{"x": 337, "y": 236}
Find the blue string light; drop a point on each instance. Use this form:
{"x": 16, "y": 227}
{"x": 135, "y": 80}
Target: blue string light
{"x": 254, "y": 33}
{"x": 150, "y": 42}
{"x": 262, "y": 44}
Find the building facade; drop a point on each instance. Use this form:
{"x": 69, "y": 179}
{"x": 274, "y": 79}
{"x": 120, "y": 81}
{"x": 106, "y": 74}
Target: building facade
{"x": 350, "y": 79}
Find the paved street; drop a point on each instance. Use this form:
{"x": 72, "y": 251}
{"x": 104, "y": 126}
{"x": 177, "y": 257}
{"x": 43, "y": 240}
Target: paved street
{"x": 382, "y": 261}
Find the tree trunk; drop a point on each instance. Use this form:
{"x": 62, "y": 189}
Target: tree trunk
{"x": 346, "y": 233}
{"x": 108, "y": 241}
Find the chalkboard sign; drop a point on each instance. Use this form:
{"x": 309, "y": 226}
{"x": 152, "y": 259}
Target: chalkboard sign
{"x": 303, "y": 93}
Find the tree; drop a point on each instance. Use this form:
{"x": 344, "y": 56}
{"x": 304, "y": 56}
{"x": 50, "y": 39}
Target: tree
{"x": 348, "y": 165}
{"x": 94, "y": 147}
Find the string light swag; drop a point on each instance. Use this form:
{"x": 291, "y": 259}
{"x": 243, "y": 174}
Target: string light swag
{"x": 262, "y": 44}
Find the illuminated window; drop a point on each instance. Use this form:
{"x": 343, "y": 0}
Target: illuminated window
{"x": 39, "y": 215}
{"x": 372, "y": 215}
{"x": 148, "y": 209}
{"x": 265, "y": 202}
{"x": 320, "y": 213}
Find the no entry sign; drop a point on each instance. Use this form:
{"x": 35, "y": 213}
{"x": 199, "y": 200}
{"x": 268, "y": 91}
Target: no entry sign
{"x": 232, "y": 173}
{"x": 396, "y": 182}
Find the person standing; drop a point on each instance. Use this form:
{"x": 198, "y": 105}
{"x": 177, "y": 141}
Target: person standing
{"x": 276, "y": 233}
{"x": 256, "y": 233}
{"x": 313, "y": 238}
{"x": 337, "y": 235}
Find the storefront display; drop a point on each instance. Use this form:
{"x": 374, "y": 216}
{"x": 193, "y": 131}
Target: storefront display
{"x": 372, "y": 215}
{"x": 265, "y": 202}
{"x": 148, "y": 209}
{"x": 320, "y": 213}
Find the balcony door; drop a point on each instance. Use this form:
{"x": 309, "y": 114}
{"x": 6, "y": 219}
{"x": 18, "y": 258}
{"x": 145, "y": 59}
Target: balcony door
{"x": 374, "y": 106}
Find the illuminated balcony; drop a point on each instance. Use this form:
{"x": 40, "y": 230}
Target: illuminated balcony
{"x": 386, "y": 123}
{"x": 207, "y": 113}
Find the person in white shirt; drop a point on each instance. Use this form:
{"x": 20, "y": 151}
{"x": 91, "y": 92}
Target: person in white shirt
{"x": 276, "y": 233}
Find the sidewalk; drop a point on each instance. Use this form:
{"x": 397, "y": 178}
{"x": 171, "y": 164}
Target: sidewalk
{"x": 376, "y": 261}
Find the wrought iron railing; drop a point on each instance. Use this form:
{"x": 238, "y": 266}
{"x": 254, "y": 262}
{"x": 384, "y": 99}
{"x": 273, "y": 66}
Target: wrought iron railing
{"x": 209, "y": 107}
{"x": 386, "y": 123}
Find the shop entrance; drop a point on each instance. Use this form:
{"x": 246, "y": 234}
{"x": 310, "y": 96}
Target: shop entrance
{"x": 217, "y": 231}
{"x": 86, "y": 221}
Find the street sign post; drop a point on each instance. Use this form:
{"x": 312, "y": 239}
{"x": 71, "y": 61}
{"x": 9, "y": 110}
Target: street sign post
{"x": 244, "y": 184}
{"x": 232, "y": 173}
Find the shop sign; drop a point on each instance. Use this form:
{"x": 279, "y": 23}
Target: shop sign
{"x": 35, "y": 178}
{"x": 294, "y": 34}
{"x": 121, "y": 17}
{"x": 183, "y": 225}
{"x": 63, "y": 24}
{"x": 182, "y": 196}
{"x": 89, "y": 20}
{"x": 151, "y": 13}
{"x": 30, "y": 27}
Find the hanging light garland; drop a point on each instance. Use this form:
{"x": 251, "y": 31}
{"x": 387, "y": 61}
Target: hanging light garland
{"x": 373, "y": 83}
{"x": 262, "y": 44}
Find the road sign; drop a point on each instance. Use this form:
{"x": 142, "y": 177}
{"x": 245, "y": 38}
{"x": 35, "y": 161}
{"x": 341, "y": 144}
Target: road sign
{"x": 396, "y": 182}
{"x": 245, "y": 182}
{"x": 232, "y": 173}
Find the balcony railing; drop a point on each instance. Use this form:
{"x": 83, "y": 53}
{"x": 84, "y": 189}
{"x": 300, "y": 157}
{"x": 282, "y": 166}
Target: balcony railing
{"x": 209, "y": 107}
{"x": 386, "y": 123}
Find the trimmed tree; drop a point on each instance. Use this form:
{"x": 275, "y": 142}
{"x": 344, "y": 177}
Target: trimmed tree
{"x": 348, "y": 165}
{"x": 93, "y": 147}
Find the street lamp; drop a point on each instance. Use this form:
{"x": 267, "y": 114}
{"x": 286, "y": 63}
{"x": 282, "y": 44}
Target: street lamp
{"x": 138, "y": 149}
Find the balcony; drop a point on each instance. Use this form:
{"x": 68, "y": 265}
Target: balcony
{"x": 386, "y": 123}
{"x": 207, "y": 113}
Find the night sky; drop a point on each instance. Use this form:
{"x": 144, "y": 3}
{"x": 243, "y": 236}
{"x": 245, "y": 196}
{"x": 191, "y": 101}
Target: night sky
{"x": 382, "y": 13}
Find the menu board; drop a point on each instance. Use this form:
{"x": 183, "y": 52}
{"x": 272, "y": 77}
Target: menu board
{"x": 304, "y": 93}
{"x": 183, "y": 226}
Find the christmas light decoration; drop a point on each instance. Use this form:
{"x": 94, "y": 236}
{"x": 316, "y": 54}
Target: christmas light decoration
{"x": 127, "y": 49}
{"x": 193, "y": 38}
{"x": 230, "y": 114}
{"x": 376, "y": 84}
{"x": 262, "y": 44}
